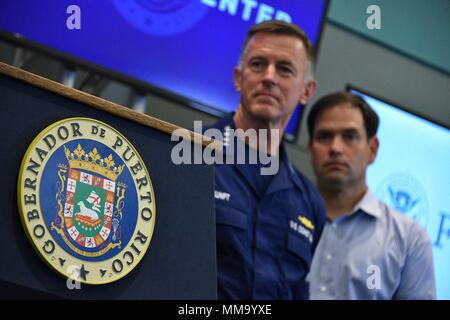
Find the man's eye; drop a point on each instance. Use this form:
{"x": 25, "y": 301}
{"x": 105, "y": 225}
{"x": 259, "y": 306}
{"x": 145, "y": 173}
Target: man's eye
{"x": 323, "y": 137}
{"x": 350, "y": 136}
{"x": 257, "y": 64}
{"x": 285, "y": 70}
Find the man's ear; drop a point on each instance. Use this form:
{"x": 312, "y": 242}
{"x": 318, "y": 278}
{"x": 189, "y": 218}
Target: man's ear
{"x": 309, "y": 90}
{"x": 237, "y": 72}
{"x": 374, "y": 143}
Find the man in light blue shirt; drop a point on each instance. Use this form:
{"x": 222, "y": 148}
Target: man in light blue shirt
{"x": 367, "y": 250}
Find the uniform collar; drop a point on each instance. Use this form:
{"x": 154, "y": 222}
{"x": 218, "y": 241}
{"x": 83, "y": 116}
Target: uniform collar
{"x": 282, "y": 180}
{"x": 287, "y": 175}
{"x": 226, "y": 123}
{"x": 293, "y": 173}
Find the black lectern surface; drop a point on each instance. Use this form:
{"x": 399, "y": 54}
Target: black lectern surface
{"x": 180, "y": 262}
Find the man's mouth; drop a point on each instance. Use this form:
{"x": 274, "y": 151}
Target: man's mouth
{"x": 266, "y": 95}
{"x": 335, "y": 164}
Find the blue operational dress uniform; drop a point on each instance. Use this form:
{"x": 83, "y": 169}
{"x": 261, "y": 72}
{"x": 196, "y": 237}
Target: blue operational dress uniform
{"x": 267, "y": 229}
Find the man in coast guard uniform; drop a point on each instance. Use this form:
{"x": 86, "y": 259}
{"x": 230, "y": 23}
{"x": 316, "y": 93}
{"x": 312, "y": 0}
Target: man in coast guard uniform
{"x": 267, "y": 225}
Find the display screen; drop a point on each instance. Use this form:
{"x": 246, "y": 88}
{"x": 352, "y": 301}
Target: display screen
{"x": 412, "y": 174}
{"x": 187, "y": 47}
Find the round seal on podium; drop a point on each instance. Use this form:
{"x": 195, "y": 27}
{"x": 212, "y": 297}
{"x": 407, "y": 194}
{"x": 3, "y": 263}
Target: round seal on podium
{"x": 86, "y": 200}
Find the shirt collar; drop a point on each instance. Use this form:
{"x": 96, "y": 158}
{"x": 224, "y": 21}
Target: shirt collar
{"x": 368, "y": 204}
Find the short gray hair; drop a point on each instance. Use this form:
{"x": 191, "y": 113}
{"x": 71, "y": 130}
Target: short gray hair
{"x": 284, "y": 28}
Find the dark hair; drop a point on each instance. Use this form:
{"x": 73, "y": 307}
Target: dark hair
{"x": 370, "y": 117}
{"x": 282, "y": 28}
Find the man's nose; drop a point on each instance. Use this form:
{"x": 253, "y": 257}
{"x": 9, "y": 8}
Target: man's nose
{"x": 270, "y": 75}
{"x": 336, "y": 145}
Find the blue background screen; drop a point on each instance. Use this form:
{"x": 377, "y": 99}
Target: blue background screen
{"x": 188, "y": 47}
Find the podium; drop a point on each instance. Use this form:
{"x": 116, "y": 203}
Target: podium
{"x": 180, "y": 262}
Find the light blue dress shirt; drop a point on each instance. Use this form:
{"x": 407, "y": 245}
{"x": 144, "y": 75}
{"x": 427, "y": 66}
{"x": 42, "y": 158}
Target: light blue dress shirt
{"x": 374, "y": 253}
